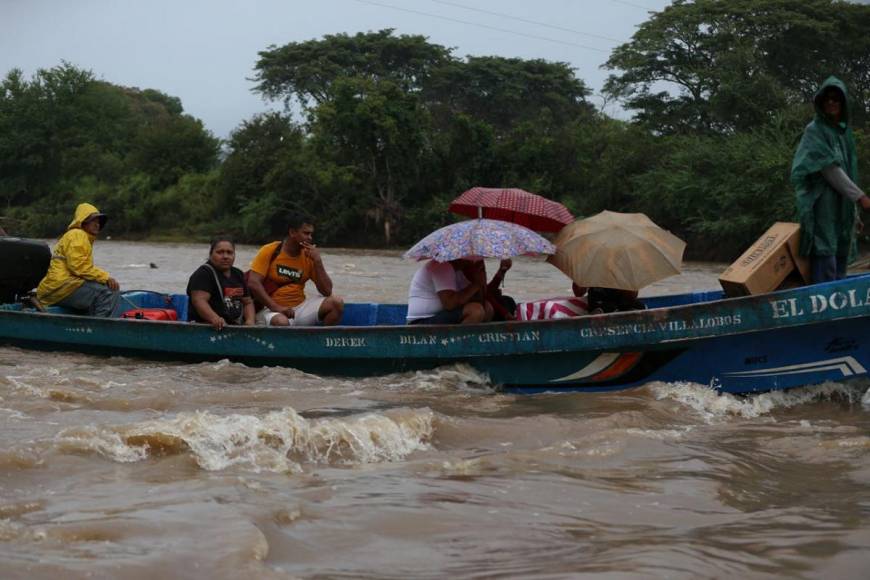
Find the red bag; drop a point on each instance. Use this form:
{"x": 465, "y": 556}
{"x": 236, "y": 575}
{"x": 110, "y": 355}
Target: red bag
{"x": 151, "y": 314}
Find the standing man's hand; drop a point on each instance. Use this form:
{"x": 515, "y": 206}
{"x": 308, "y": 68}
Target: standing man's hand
{"x": 113, "y": 284}
{"x": 865, "y": 202}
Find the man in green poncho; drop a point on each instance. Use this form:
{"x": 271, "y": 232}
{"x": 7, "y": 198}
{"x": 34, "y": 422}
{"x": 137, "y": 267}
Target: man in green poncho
{"x": 824, "y": 173}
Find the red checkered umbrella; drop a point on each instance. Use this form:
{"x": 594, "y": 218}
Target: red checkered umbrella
{"x": 513, "y": 205}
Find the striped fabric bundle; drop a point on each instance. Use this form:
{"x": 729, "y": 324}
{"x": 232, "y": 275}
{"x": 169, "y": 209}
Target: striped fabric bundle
{"x": 550, "y": 308}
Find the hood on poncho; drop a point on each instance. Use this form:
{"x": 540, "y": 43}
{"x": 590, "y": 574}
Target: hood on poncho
{"x": 835, "y": 83}
{"x": 83, "y": 212}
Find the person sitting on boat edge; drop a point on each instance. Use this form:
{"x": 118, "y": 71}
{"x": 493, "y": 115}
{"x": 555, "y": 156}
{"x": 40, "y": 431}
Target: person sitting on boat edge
{"x": 217, "y": 290}
{"x": 824, "y": 172}
{"x": 285, "y": 267}
{"x": 448, "y": 293}
{"x": 72, "y": 280}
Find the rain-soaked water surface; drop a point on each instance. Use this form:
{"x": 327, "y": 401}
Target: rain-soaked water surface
{"x": 114, "y": 467}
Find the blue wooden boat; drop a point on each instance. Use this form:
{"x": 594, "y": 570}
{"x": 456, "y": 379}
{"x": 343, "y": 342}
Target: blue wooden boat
{"x": 784, "y": 339}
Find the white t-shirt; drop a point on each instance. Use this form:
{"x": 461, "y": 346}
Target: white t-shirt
{"x": 428, "y": 281}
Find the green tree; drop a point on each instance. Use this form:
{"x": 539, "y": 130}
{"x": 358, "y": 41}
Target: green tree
{"x": 604, "y": 157}
{"x": 33, "y": 132}
{"x": 412, "y": 125}
{"x": 381, "y": 132}
{"x": 189, "y": 208}
{"x": 721, "y": 66}
{"x": 306, "y": 72}
{"x": 254, "y": 151}
{"x": 718, "y": 192}
{"x": 67, "y": 137}
{"x": 505, "y": 91}
{"x": 172, "y": 147}
{"x": 272, "y": 169}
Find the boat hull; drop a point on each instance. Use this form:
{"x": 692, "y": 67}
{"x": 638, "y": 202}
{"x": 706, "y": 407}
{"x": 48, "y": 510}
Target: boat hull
{"x": 781, "y": 340}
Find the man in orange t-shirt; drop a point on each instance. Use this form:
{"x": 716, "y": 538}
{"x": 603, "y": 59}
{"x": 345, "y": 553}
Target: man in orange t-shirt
{"x": 289, "y": 265}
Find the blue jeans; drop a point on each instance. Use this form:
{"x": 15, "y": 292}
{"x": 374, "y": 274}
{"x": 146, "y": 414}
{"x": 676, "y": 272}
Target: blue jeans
{"x": 827, "y": 268}
{"x": 94, "y": 298}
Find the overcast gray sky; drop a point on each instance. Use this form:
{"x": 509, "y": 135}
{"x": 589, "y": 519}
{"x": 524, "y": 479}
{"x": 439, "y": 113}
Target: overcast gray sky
{"x": 203, "y": 51}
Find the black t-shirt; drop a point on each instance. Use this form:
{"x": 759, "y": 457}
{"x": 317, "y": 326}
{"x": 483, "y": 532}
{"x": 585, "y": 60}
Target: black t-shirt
{"x": 228, "y": 302}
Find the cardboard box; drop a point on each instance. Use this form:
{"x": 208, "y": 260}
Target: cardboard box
{"x": 767, "y": 263}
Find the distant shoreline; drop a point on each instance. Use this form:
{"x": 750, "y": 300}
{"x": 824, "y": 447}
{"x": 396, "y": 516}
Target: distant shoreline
{"x": 862, "y": 262}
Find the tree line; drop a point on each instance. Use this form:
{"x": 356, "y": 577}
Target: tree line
{"x": 381, "y": 130}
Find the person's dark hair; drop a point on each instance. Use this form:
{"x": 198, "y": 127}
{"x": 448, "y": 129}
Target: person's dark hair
{"x": 508, "y": 303}
{"x": 613, "y": 300}
{"x": 218, "y": 239}
{"x": 100, "y": 217}
{"x": 296, "y": 220}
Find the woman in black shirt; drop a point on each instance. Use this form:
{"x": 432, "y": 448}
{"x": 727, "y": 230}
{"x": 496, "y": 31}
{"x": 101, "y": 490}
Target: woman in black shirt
{"x": 217, "y": 290}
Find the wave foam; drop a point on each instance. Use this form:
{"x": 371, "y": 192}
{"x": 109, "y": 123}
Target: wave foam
{"x": 12, "y": 414}
{"x": 459, "y": 377}
{"x": 52, "y": 383}
{"x": 19, "y": 459}
{"x": 279, "y": 441}
{"x": 11, "y": 531}
{"x": 101, "y": 441}
{"x": 714, "y": 405}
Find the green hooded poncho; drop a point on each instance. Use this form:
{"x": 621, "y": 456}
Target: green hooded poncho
{"x": 827, "y": 218}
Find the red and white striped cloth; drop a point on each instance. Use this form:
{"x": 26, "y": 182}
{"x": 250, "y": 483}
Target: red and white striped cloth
{"x": 550, "y": 308}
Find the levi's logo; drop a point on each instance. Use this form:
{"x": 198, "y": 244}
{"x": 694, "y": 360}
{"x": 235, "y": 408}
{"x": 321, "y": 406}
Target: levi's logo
{"x": 292, "y": 273}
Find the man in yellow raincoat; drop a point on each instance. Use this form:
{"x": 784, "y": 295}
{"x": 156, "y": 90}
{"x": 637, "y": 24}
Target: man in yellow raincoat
{"x": 72, "y": 280}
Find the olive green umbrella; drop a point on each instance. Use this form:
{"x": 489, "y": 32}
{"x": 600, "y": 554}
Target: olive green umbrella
{"x": 617, "y": 250}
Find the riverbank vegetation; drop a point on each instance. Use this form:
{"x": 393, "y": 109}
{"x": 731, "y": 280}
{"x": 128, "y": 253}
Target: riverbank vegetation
{"x": 381, "y": 130}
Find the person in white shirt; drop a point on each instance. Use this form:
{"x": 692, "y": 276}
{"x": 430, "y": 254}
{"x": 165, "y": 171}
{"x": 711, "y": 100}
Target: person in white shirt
{"x": 448, "y": 293}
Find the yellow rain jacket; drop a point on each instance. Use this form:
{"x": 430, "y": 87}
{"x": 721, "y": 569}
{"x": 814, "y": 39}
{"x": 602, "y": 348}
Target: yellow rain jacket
{"x": 72, "y": 262}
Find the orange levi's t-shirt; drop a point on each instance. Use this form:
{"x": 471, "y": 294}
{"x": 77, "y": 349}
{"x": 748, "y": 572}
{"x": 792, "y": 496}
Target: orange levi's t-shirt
{"x": 291, "y": 273}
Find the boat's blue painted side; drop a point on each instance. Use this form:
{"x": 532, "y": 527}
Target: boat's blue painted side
{"x": 795, "y": 337}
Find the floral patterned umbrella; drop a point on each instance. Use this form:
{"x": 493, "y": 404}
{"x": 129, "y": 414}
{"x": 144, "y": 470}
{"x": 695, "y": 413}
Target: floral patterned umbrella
{"x": 477, "y": 239}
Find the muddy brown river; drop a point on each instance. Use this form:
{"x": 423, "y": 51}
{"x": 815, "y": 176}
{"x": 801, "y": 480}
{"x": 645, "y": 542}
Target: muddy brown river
{"x": 119, "y": 468}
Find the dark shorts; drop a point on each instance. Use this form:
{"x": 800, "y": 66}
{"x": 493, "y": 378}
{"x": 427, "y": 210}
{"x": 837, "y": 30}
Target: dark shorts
{"x": 444, "y": 317}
